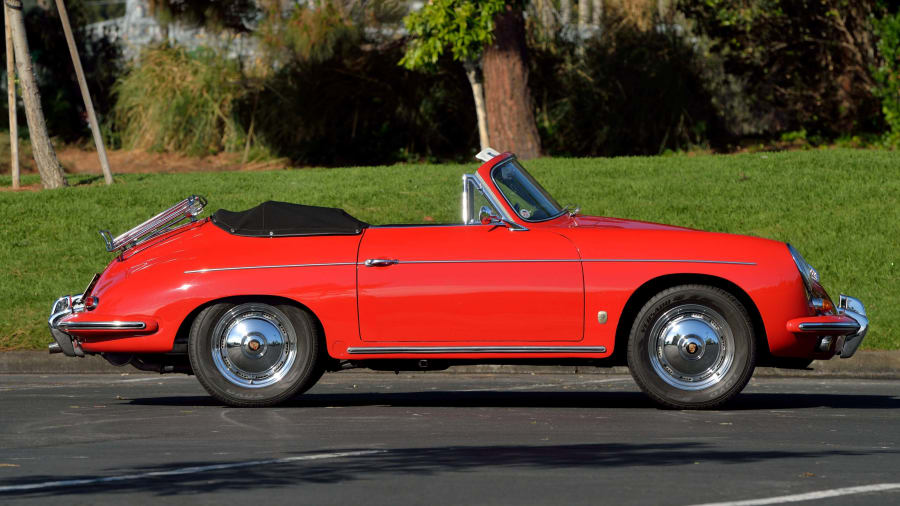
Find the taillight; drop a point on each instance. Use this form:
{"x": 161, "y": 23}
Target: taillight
{"x": 90, "y": 302}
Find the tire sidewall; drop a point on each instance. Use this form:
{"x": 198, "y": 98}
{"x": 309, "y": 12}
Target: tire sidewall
{"x": 297, "y": 378}
{"x": 741, "y": 329}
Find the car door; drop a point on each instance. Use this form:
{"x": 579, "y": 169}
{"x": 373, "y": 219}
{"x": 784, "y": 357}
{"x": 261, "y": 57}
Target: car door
{"x": 474, "y": 283}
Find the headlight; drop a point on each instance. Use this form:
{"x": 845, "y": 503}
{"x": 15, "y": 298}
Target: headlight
{"x": 815, "y": 293}
{"x": 807, "y": 271}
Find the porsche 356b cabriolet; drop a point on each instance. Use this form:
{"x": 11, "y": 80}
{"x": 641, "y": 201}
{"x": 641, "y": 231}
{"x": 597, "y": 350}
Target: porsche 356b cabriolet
{"x": 259, "y": 304}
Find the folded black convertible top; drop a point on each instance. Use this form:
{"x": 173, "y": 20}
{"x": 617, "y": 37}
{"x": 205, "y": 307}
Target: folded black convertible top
{"x": 280, "y": 219}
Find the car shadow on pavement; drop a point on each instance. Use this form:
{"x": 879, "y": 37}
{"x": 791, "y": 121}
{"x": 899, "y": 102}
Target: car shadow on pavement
{"x": 542, "y": 399}
{"x": 195, "y": 476}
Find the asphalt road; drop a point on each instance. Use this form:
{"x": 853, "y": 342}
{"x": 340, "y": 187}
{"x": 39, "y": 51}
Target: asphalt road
{"x": 430, "y": 438}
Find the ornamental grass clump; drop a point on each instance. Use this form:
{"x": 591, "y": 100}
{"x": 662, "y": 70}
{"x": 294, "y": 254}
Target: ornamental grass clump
{"x": 182, "y": 101}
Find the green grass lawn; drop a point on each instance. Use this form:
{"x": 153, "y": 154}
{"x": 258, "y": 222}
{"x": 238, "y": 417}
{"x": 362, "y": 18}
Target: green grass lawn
{"x": 838, "y": 207}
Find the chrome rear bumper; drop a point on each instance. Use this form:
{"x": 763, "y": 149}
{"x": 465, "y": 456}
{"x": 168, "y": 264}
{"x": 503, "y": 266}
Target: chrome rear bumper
{"x": 64, "y": 344}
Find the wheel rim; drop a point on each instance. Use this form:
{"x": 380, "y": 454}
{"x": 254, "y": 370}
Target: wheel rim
{"x": 691, "y": 347}
{"x": 254, "y": 345}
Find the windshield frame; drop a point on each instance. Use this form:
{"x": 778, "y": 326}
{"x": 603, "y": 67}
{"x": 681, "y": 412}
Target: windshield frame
{"x": 543, "y": 191}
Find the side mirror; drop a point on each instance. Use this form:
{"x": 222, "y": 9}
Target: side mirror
{"x": 486, "y": 217}
{"x": 489, "y": 218}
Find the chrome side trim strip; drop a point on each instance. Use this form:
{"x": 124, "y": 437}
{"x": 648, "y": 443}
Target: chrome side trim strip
{"x": 485, "y": 261}
{"x": 430, "y": 350}
{"x": 829, "y": 326}
{"x": 668, "y": 260}
{"x": 285, "y": 266}
{"x": 560, "y": 260}
{"x": 117, "y": 325}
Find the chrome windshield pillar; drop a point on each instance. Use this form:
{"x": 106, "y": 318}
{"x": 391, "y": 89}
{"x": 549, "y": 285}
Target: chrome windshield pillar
{"x": 472, "y": 187}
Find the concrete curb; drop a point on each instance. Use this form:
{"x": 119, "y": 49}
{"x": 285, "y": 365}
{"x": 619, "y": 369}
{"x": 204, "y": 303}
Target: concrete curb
{"x": 865, "y": 364}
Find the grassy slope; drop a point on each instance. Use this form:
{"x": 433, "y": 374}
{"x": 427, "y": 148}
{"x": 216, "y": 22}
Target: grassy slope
{"x": 839, "y": 208}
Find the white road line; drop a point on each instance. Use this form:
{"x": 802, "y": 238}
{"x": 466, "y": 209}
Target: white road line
{"x": 184, "y": 470}
{"x": 809, "y": 496}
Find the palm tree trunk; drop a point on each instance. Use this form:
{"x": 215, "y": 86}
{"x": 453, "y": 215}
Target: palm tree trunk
{"x": 11, "y": 96}
{"x": 597, "y": 14}
{"x": 473, "y": 73}
{"x": 85, "y": 94}
{"x": 565, "y": 12}
{"x": 44, "y": 156}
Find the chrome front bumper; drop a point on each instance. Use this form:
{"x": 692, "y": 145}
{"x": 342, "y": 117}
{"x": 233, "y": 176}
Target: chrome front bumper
{"x": 849, "y": 306}
{"x": 64, "y": 344}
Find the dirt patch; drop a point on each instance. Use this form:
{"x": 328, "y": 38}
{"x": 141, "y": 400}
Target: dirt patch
{"x": 26, "y": 188}
{"x": 79, "y": 161}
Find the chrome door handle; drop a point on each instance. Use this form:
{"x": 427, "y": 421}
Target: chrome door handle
{"x": 380, "y": 262}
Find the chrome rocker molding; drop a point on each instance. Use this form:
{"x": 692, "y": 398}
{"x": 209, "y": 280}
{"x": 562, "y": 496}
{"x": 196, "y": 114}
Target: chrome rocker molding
{"x": 431, "y": 350}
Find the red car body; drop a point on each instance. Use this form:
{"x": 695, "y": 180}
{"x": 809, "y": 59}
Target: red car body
{"x": 499, "y": 288}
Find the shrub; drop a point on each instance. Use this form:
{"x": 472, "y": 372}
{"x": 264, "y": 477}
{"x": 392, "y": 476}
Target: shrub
{"x": 632, "y": 92}
{"x": 803, "y": 64}
{"x": 175, "y": 100}
{"x": 888, "y": 75}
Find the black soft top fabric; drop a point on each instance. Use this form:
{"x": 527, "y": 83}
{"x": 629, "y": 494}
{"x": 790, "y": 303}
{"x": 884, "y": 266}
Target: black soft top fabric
{"x": 280, "y": 219}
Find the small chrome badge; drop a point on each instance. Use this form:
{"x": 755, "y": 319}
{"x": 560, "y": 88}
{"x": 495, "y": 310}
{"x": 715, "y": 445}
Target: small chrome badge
{"x": 601, "y": 316}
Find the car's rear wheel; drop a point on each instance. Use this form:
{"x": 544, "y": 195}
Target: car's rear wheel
{"x": 254, "y": 354}
{"x": 692, "y": 347}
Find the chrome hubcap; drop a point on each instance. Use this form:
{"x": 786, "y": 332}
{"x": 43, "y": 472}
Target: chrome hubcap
{"x": 254, "y": 345}
{"x": 691, "y": 347}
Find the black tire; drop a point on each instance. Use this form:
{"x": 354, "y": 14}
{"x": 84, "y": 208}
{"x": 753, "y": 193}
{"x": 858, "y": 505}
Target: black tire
{"x": 692, "y": 347}
{"x": 271, "y": 356}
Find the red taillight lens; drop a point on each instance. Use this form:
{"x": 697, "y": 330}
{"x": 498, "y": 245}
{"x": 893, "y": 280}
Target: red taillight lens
{"x": 90, "y": 302}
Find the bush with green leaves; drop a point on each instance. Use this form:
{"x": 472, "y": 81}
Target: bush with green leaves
{"x": 888, "y": 75}
{"x": 803, "y": 64}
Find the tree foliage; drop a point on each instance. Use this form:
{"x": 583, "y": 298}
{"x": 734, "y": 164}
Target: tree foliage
{"x": 319, "y": 30}
{"x": 235, "y": 15}
{"x": 804, "y": 64}
{"x": 888, "y": 74}
{"x": 464, "y": 27}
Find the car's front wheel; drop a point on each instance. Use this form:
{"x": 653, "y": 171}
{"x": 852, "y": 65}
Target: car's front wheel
{"x": 692, "y": 347}
{"x": 254, "y": 354}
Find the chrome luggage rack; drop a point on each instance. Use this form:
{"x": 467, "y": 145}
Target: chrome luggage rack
{"x": 188, "y": 208}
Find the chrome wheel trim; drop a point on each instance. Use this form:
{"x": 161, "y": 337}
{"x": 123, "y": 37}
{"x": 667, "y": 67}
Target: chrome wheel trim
{"x": 253, "y": 345}
{"x": 691, "y": 347}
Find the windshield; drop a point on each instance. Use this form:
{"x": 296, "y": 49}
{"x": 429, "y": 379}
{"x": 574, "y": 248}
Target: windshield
{"x": 526, "y": 196}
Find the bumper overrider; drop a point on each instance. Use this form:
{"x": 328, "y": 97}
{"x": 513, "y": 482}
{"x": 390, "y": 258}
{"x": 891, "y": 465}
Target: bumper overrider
{"x": 841, "y": 332}
{"x": 65, "y": 331}
{"x": 65, "y": 343}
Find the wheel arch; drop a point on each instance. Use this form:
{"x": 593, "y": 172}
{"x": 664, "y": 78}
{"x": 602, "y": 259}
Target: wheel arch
{"x": 184, "y": 330}
{"x": 650, "y": 288}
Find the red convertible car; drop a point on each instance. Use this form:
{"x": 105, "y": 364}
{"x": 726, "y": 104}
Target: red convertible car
{"x": 258, "y": 304}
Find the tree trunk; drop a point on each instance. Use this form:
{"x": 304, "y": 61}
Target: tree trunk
{"x": 85, "y": 94}
{"x": 584, "y": 17}
{"x": 44, "y": 156}
{"x": 510, "y": 111}
{"x": 476, "y": 80}
{"x": 565, "y": 12}
{"x": 597, "y": 14}
{"x": 547, "y": 18}
{"x": 11, "y": 97}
